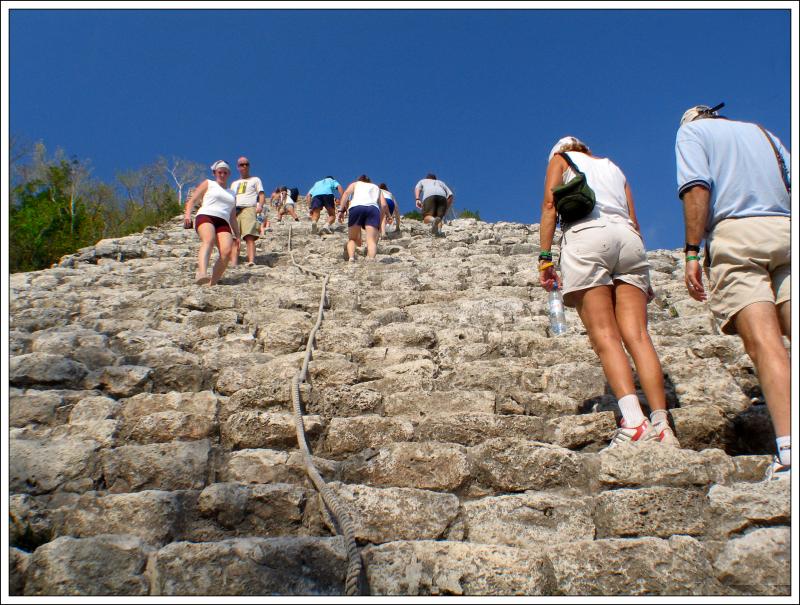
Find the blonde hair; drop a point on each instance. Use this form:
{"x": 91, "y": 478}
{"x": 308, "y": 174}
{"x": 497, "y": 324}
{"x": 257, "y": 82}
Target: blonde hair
{"x": 575, "y": 146}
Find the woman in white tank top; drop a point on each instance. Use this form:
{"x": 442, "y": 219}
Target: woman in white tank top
{"x": 215, "y": 222}
{"x": 606, "y": 278}
{"x": 366, "y": 206}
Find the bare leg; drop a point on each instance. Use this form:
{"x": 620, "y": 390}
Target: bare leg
{"x": 354, "y": 235}
{"x": 250, "y": 241}
{"x": 207, "y": 232}
{"x": 225, "y": 245}
{"x": 372, "y": 241}
{"x": 331, "y": 215}
{"x": 234, "y": 253}
{"x": 785, "y": 316}
{"x": 760, "y": 330}
{"x": 631, "y": 311}
{"x": 595, "y": 307}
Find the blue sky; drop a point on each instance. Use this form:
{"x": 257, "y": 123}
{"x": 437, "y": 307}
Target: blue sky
{"x": 476, "y": 96}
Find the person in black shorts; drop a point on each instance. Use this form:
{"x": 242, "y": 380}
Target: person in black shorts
{"x": 322, "y": 195}
{"x": 434, "y": 198}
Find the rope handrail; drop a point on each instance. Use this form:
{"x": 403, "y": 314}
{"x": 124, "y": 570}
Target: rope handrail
{"x": 341, "y": 515}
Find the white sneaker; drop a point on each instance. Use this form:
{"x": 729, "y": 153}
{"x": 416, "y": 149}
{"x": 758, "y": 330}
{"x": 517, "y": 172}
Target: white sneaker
{"x": 778, "y": 471}
{"x": 628, "y": 435}
{"x": 665, "y": 435}
{"x": 313, "y": 228}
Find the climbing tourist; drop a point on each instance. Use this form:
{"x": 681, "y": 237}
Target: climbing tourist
{"x": 249, "y": 203}
{"x": 734, "y": 181}
{"x": 287, "y": 203}
{"x": 434, "y": 198}
{"x": 364, "y": 203}
{"x": 322, "y": 195}
{"x": 215, "y": 222}
{"x": 393, "y": 210}
{"x": 606, "y": 277}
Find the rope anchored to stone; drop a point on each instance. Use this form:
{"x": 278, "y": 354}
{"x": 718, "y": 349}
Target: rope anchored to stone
{"x": 341, "y": 515}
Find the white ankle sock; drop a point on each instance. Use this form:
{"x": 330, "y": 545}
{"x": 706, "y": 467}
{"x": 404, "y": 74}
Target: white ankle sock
{"x": 659, "y": 417}
{"x": 631, "y": 410}
{"x": 785, "y": 449}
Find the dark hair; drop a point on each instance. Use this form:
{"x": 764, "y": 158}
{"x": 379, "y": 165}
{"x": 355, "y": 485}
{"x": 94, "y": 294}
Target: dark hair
{"x": 329, "y": 177}
{"x": 430, "y": 175}
{"x": 364, "y": 178}
{"x": 282, "y": 189}
{"x": 383, "y": 186}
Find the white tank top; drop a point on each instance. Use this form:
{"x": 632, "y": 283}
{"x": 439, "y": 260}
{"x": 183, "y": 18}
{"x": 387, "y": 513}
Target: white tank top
{"x": 365, "y": 194}
{"x": 217, "y": 201}
{"x": 608, "y": 183}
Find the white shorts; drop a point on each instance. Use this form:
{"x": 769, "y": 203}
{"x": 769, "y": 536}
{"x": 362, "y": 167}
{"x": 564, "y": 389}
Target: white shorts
{"x": 600, "y": 252}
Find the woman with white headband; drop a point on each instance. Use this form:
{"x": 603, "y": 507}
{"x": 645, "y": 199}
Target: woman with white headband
{"x": 606, "y": 277}
{"x": 215, "y": 222}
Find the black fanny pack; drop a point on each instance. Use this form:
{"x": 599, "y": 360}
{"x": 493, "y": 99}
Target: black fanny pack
{"x": 574, "y": 200}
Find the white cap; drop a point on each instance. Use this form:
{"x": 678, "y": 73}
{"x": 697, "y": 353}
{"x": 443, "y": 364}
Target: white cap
{"x": 698, "y": 111}
{"x": 563, "y": 142}
{"x": 220, "y": 164}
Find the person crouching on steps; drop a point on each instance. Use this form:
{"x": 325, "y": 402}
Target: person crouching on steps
{"x": 606, "y": 277}
{"x": 366, "y": 204}
{"x": 215, "y": 222}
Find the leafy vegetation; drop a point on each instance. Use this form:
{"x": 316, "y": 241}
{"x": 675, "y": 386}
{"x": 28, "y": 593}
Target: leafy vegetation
{"x": 57, "y": 206}
{"x": 470, "y": 214}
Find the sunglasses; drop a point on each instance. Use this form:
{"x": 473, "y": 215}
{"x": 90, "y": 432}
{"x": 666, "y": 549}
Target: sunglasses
{"x": 245, "y": 164}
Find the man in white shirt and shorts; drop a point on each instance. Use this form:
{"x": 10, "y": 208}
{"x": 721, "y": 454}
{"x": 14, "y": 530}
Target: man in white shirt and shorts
{"x": 249, "y": 194}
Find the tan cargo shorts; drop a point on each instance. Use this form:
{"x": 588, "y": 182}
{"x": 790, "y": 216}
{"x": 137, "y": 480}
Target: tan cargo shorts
{"x": 246, "y": 217}
{"x": 600, "y": 252}
{"x": 750, "y": 262}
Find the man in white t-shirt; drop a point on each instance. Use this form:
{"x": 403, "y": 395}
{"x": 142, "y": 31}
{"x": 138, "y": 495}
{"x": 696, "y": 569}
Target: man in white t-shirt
{"x": 249, "y": 194}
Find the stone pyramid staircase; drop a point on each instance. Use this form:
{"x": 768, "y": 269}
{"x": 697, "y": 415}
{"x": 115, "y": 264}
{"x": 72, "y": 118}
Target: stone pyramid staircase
{"x": 153, "y": 447}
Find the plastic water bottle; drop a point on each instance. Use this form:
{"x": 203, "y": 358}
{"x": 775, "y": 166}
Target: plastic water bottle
{"x": 555, "y": 308}
{"x": 260, "y": 218}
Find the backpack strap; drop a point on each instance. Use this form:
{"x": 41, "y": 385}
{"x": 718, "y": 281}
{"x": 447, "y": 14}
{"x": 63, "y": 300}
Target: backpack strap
{"x": 779, "y": 157}
{"x": 564, "y": 155}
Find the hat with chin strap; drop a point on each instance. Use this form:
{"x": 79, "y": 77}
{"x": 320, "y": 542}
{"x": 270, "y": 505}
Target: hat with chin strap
{"x": 700, "y": 111}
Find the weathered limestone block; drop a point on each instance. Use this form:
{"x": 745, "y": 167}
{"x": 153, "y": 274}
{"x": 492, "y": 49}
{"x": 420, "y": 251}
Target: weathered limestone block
{"x": 738, "y": 507}
{"x": 650, "y": 511}
{"x": 472, "y": 429}
{"x": 642, "y": 566}
{"x": 419, "y": 404}
{"x": 406, "y": 335}
{"x": 148, "y": 515}
{"x": 456, "y": 568}
{"x": 134, "y": 341}
{"x": 162, "y": 427}
{"x": 161, "y": 466}
{"x": 82, "y": 345}
{"x": 344, "y": 401}
{"x": 45, "y": 369}
{"x": 108, "y": 564}
{"x": 347, "y": 436}
{"x": 18, "y": 564}
{"x": 252, "y": 429}
{"x": 655, "y": 464}
{"x": 144, "y": 404}
{"x": 384, "y": 317}
{"x": 92, "y": 409}
{"x": 702, "y": 324}
{"x": 529, "y": 520}
{"x": 579, "y": 381}
{"x": 275, "y": 377}
{"x": 342, "y": 340}
{"x": 376, "y": 362}
{"x": 19, "y": 343}
{"x": 29, "y": 522}
{"x": 265, "y": 510}
{"x": 582, "y": 430}
{"x": 38, "y": 467}
{"x": 701, "y": 427}
{"x": 431, "y": 466}
{"x": 224, "y": 317}
{"x": 123, "y": 381}
{"x": 701, "y": 382}
{"x": 751, "y": 468}
{"x": 411, "y": 375}
{"x": 271, "y": 466}
{"x": 512, "y": 466}
{"x": 173, "y": 369}
{"x": 32, "y": 407}
{"x": 296, "y": 566}
{"x": 330, "y": 369}
{"x": 396, "y": 513}
{"x": 758, "y": 563}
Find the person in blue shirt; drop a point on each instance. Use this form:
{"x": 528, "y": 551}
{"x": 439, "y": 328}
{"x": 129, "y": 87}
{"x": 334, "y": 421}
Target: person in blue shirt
{"x": 734, "y": 181}
{"x": 323, "y": 195}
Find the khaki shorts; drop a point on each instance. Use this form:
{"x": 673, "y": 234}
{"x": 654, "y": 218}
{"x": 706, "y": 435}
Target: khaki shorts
{"x": 750, "y": 262}
{"x": 247, "y": 221}
{"x": 598, "y": 253}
